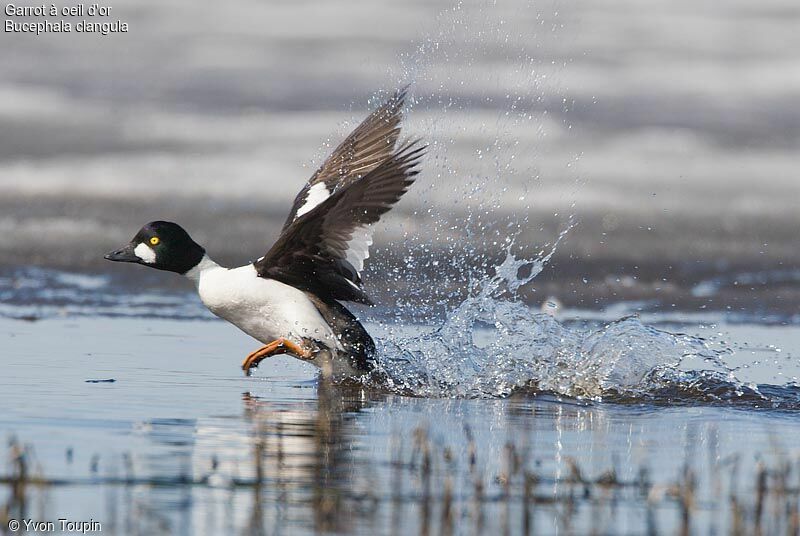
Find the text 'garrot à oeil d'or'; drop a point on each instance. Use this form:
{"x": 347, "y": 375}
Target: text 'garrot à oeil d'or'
{"x": 62, "y": 25}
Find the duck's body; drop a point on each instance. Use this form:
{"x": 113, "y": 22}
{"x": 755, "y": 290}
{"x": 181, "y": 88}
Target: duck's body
{"x": 263, "y": 308}
{"x": 269, "y": 310}
{"x": 289, "y": 299}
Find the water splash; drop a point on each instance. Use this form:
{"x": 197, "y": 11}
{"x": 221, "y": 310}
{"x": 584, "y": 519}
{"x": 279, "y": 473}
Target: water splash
{"x": 493, "y": 345}
{"x": 490, "y": 344}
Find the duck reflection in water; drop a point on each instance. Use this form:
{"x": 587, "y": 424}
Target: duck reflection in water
{"x": 303, "y": 455}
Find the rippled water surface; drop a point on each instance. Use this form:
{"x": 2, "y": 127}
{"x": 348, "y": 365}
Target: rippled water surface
{"x": 147, "y": 424}
{"x": 646, "y": 383}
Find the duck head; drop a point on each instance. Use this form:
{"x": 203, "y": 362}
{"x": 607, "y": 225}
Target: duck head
{"x": 162, "y": 245}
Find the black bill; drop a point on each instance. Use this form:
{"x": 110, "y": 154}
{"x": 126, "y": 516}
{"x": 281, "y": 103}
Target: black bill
{"x": 125, "y": 254}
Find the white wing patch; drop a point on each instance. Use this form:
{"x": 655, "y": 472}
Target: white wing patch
{"x": 145, "y": 252}
{"x": 315, "y": 195}
{"x": 358, "y": 247}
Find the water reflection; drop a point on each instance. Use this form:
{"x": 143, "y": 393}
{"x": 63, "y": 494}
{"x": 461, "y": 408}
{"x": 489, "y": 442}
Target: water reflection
{"x": 323, "y": 458}
{"x": 305, "y": 454}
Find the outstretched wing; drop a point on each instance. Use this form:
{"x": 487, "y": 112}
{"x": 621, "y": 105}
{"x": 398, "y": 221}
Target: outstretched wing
{"x": 371, "y": 143}
{"x": 324, "y": 251}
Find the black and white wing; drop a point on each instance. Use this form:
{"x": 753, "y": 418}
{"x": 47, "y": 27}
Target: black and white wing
{"x": 371, "y": 143}
{"x": 323, "y": 251}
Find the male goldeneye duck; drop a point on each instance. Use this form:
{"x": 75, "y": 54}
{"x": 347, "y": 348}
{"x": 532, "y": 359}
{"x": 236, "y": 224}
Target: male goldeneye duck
{"x": 289, "y": 299}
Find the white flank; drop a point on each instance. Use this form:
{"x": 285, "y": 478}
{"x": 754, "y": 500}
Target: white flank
{"x": 263, "y": 308}
{"x": 315, "y": 195}
{"x": 145, "y": 252}
{"x": 358, "y": 247}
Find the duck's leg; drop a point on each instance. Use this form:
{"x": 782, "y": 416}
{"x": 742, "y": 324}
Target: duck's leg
{"x": 278, "y": 346}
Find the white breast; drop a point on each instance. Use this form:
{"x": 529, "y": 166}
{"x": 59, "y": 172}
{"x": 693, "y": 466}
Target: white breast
{"x": 263, "y": 308}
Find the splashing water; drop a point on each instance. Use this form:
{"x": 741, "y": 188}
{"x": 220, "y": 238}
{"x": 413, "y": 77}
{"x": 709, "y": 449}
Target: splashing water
{"x": 492, "y": 345}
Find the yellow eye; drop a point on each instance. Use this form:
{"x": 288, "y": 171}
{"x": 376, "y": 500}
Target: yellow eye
{"x": 155, "y": 241}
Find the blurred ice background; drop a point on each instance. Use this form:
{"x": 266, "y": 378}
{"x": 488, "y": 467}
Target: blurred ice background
{"x": 670, "y": 130}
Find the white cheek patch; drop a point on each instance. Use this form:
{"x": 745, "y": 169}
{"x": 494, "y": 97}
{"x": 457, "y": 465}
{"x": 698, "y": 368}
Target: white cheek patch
{"x": 315, "y": 195}
{"x": 146, "y": 253}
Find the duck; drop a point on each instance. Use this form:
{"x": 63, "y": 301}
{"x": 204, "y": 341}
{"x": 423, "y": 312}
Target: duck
{"x": 292, "y": 298}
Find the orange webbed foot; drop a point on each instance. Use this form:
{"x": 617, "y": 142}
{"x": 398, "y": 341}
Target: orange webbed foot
{"x": 278, "y": 346}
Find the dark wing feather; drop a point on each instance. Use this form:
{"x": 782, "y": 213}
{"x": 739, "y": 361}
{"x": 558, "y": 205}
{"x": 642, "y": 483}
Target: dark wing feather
{"x": 351, "y": 334}
{"x": 315, "y": 252}
{"x": 371, "y": 143}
